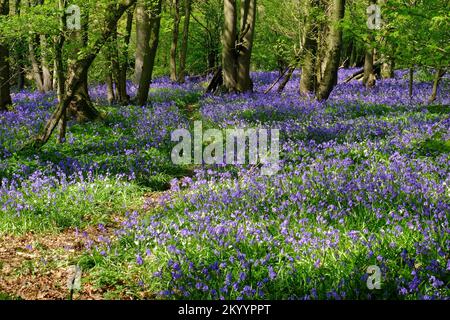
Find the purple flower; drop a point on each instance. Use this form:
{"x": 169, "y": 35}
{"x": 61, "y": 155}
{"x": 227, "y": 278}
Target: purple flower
{"x": 272, "y": 274}
{"x": 435, "y": 282}
{"x": 139, "y": 260}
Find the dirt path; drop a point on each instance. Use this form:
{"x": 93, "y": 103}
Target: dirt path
{"x": 37, "y": 266}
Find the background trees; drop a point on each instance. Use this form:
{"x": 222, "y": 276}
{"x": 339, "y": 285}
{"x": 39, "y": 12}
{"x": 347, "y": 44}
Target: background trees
{"x": 229, "y": 37}
{"x": 5, "y": 97}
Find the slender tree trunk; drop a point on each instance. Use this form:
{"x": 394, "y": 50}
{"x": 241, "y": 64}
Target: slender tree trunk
{"x": 369, "y": 78}
{"x": 59, "y": 69}
{"x": 174, "y": 45}
{"x": 142, "y": 38}
{"x": 19, "y": 49}
{"x": 184, "y": 41}
{"x": 286, "y": 79}
{"x": 149, "y": 58}
{"x": 5, "y": 96}
{"x": 333, "y": 56}
{"x": 20, "y": 68}
{"x": 36, "y": 68}
{"x": 110, "y": 88}
{"x": 33, "y": 45}
{"x": 411, "y": 82}
{"x": 81, "y": 106}
{"x": 47, "y": 79}
{"x": 353, "y": 56}
{"x": 350, "y": 49}
{"x": 59, "y": 44}
{"x": 59, "y": 78}
{"x": 387, "y": 68}
{"x": 124, "y": 98}
{"x": 114, "y": 73}
{"x": 308, "y": 78}
{"x": 437, "y": 79}
{"x": 245, "y": 45}
{"x": 229, "y": 42}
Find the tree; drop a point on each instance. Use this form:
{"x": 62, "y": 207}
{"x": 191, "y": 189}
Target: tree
{"x": 5, "y": 96}
{"x": 19, "y": 53}
{"x": 427, "y": 47}
{"x": 437, "y": 79}
{"x": 33, "y": 45}
{"x": 237, "y": 45}
{"x": 174, "y": 45}
{"x": 229, "y": 43}
{"x": 149, "y": 21}
{"x": 308, "y": 77}
{"x": 79, "y": 67}
{"x": 81, "y": 105}
{"x": 322, "y": 48}
{"x": 184, "y": 41}
{"x": 209, "y": 16}
{"x": 332, "y": 59}
{"x": 369, "y": 77}
{"x": 117, "y": 56}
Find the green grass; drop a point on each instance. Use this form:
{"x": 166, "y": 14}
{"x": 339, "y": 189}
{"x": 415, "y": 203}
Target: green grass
{"x": 340, "y": 267}
{"x": 5, "y": 296}
{"x": 77, "y": 205}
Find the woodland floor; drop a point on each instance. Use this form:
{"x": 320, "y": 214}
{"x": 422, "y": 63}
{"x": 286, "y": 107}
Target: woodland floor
{"x": 36, "y": 266}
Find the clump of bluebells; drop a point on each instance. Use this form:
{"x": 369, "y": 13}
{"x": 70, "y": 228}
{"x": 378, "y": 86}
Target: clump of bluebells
{"x": 365, "y": 181}
{"x": 99, "y": 169}
{"x": 359, "y": 187}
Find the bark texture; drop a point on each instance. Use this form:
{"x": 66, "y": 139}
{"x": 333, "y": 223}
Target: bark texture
{"x": 151, "y": 30}
{"x": 5, "y": 96}
{"x": 333, "y": 56}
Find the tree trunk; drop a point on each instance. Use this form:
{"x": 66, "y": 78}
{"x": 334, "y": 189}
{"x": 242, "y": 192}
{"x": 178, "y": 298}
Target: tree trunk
{"x": 142, "y": 38}
{"x": 47, "y": 79}
{"x": 411, "y": 82}
{"x": 308, "y": 78}
{"x": 245, "y": 45}
{"x": 286, "y": 80}
{"x": 174, "y": 45}
{"x": 5, "y": 96}
{"x": 59, "y": 44}
{"x": 229, "y": 41}
{"x": 36, "y": 68}
{"x": 80, "y": 67}
{"x": 81, "y": 106}
{"x": 19, "y": 49}
{"x": 59, "y": 68}
{"x": 184, "y": 41}
{"x": 124, "y": 98}
{"x": 114, "y": 71}
{"x": 387, "y": 68}
{"x": 110, "y": 87}
{"x": 437, "y": 79}
{"x": 369, "y": 78}
{"x": 333, "y": 55}
{"x": 146, "y": 72}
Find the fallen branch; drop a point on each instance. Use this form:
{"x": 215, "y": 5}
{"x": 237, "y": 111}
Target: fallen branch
{"x": 357, "y": 74}
{"x": 276, "y": 81}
